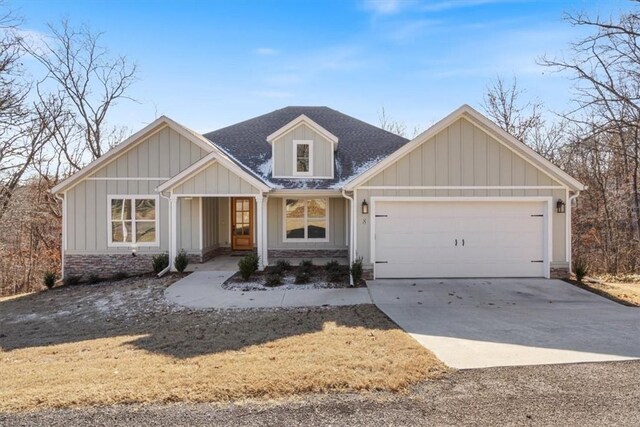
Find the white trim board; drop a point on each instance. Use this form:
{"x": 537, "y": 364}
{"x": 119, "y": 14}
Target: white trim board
{"x": 294, "y": 157}
{"x": 302, "y": 119}
{"x": 133, "y": 198}
{"x": 327, "y": 215}
{"x": 548, "y": 219}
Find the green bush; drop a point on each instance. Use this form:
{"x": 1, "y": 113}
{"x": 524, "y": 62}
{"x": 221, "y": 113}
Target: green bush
{"x": 93, "y": 279}
{"x": 332, "y": 266}
{"x": 49, "y": 279}
{"x": 337, "y": 275}
{"x": 272, "y": 280}
{"x": 283, "y": 265}
{"x": 356, "y": 271}
{"x": 120, "y": 275}
{"x": 181, "y": 261}
{"x": 302, "y": 277}
{"x": 580, "y": 269}
{"x": 306, "y": 265}
{"x": 160, "y": 262}
{"x": 248, "y": 265}
{"x": 71, "y": 280}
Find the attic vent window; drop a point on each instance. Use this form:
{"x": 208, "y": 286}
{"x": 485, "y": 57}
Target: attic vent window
{"x": 302, "y": 159}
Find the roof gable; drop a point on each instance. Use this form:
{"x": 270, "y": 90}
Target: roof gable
{"x": 128, "y": 144}
{"x": 300, "y": 120}
{"x": 477, "y": 119}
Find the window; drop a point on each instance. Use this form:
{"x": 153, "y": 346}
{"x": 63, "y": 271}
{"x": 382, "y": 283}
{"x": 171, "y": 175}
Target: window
{"x": 133, "y": 221}
{"x": 306, "y": 219}
{"x": 302, "y": 161}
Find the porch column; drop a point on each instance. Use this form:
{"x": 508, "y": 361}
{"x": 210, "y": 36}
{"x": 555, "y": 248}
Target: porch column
{"x": 259, "y": 231}
{"x": 173, "y": 218}
{"x": 265, "y": 231}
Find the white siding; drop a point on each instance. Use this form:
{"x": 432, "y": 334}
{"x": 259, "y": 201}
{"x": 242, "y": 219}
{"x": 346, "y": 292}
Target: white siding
{"x": 283, "y": 152}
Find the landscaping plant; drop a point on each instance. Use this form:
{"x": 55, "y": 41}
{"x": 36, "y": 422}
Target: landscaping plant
{"x": 160, "y": 262}
{"x": 71, "y": 280}
{"x": 248, "y": 265}
{"x": 49, "y": 279}
{"x": 272, "y": 280}
{"x": 93, "y": 279}
{"x": 356, "y": 271}
{"x": 306, "y": 265}
{"x": 181, "y": 261}
{"x": 580, "y": 269}
{"x": 283, "y": 265}
{"x": 302, "y": 277}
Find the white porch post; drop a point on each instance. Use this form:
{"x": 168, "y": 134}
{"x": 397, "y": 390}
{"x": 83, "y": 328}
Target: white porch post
{"x": 173, "y": 251}
{"x": 265, "y": 231}
{"x": 259, "y": 231}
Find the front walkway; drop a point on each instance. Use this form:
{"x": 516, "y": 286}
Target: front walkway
{"x": 203, "y": 289}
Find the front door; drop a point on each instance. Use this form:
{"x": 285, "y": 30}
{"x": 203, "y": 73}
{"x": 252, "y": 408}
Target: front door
{"x": 242, "y": 223}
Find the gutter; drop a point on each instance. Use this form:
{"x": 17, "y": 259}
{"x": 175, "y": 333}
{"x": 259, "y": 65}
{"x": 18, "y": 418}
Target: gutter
{"x": 352, "y": 243}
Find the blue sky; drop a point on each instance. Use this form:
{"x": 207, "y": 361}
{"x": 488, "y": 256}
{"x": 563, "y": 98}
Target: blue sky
{"x": 211, "y": 64}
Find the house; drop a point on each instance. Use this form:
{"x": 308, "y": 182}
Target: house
{"x": 462, "y": 199}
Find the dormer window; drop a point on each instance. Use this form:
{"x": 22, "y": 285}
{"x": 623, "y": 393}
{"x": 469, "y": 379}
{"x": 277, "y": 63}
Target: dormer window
{"x": 302, "y": 161}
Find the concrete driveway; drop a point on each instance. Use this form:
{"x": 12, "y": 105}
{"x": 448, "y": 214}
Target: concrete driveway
{"x": 480, "y": 323}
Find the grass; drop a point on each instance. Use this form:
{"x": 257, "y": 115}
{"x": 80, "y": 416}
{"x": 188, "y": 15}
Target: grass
{"x": 626, "y": 293}
{"x": 142, "y": 351}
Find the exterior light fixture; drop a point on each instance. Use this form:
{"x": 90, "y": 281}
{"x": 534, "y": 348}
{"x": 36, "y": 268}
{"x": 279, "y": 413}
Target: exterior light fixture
{"x": 560, "y": 206}
{"x": 365, "y": 207}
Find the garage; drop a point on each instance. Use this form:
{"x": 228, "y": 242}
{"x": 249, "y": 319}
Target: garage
{"x": 463, "y": 237}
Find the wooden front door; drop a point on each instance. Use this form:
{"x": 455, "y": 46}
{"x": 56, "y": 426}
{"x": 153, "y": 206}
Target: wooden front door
{"x": 242, "y": 223}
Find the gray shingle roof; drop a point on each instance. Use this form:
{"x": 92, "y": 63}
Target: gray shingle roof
{"x": 360, "y": 146}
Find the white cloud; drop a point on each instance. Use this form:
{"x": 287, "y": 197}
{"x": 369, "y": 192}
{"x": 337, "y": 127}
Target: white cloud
{"x": 385, "y": 7}
{"x": 266, "y": 51}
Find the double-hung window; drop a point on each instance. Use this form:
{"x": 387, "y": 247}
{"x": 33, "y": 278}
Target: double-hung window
{"x": 302, "y": 160}
{"x": 133, "y": 220}
{"x": 306, "y": 219}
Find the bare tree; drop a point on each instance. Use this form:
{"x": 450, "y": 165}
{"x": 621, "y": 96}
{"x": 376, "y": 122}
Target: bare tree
{"x": 395, "y": 126}
{"x": 91, "y": 81}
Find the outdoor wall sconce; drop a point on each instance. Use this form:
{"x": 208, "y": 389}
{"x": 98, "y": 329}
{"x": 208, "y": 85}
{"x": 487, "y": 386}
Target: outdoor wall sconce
{"x": 560, "y": 206}
{"x": 365, "y": 207}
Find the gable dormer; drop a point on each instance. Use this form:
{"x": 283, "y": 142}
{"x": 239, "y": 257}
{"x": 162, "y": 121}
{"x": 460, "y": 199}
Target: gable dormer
{"x": 302, "y": 149}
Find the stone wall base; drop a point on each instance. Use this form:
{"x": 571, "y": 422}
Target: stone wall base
{"x": 106, "y": 266}
{"x": 560, "y": 273}
{"x": 307, "y": 253}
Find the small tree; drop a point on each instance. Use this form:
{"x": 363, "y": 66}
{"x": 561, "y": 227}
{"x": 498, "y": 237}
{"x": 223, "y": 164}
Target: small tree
{"x": 181, "y": 261}
{"x": 248, "y": 265}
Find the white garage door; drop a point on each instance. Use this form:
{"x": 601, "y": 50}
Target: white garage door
{"x": 459, "y": 239}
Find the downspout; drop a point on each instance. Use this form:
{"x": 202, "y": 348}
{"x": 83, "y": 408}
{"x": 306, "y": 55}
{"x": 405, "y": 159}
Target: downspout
{"x": 64, "y": 232}
{"x": 569, "y": 226}
{"x": 351, "y": 231}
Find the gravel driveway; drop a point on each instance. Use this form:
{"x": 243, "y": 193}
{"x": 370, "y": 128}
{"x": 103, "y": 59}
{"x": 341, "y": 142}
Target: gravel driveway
{"x": 589, "y": 394}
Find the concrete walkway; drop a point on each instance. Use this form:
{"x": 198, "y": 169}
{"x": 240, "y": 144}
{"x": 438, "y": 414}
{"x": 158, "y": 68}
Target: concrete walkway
{"x": 203, "y": 289}
{"x": 481, "y": 323}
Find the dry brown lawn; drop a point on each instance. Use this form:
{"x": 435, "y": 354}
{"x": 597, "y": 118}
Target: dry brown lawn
{"x": 627, "y": 292}
{"x": 121, "y": 343}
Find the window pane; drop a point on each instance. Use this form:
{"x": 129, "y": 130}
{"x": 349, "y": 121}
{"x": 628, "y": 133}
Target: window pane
{"x": 238, "y": 205}
{"x": 245, "y": 205}
{"x": 302, "y": 165}
{"x": 317, "y": 229}
{"x": 295, "y": 228}
{"x": 316, "y": 208}
{"x": 303, "y": 150}
{"x": 145, "y": 232}
{"x": 146, "y": 209}
{"x": 245, "y": 217}
{"x": 120, "y": 209}
{"x": 238, "y": 218}
{"x": 121, "y": 231}
{"x": 295, "y": 208}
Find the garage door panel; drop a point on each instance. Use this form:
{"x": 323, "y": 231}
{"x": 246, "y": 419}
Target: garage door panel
{"x": 501, "y": 239}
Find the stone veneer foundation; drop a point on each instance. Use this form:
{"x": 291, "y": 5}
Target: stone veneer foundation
{"x": 107, "y": 265}
{"x": 560, "y": 273}
{"x": 307, "y": 253}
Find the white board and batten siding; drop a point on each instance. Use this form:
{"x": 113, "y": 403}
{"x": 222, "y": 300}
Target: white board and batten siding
{"x": 284, "y": 150}
{"x": 215, "y": 179}
{"x": 138, "y": 171}
{"x": 462, "y": 161}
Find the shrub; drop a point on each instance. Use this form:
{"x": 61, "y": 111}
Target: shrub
{"x": 302, "y": 277}
{"x": 332, "y": 266}
{"x": 160, "y": 262}
{"x": 49, "y": 279}
{"x": 71, "y": 280}
{"x": 248, "y": 265}
{"x": 335, "y": 276}
{"x": 181, "y": 261}
{"x": 272, "y": 280}
{"x": 283, "y": 265}
{"x": 93, "y": 279}
{"x": 120, "y": 275}
{"x": 306, "y": 265}
{"x": 356, "y": 270}
{"x": 580, "y": 269}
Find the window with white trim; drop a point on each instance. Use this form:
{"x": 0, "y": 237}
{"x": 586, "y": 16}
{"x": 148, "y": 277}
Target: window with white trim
{"x": 306, "y": 219}
{"x": 302, "y": 157}
{"x": 133, "y": 221}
